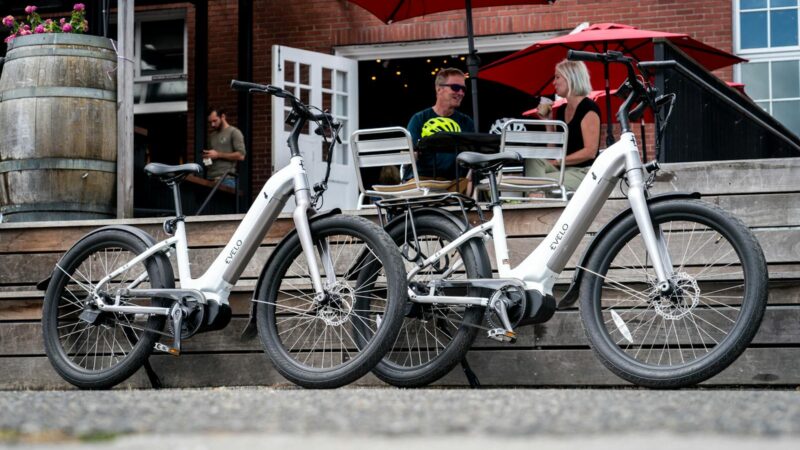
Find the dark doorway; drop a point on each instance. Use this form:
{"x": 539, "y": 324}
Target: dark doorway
{"x": 391, "y": 91}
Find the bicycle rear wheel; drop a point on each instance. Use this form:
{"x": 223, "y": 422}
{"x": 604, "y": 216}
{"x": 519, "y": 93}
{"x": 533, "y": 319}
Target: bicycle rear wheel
{"x": 434, "y": 338}
{"x": 331, "y": 341}
{"x": 89, "y": 348}
{"x": 719, "y": 296}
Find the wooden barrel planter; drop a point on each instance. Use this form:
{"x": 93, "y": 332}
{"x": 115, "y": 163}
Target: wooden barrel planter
{"x": 59, "y": 123}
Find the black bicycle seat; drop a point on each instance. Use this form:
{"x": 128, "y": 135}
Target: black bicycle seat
{"x": 482, "y": 161}
{"x": 166, "y": 172}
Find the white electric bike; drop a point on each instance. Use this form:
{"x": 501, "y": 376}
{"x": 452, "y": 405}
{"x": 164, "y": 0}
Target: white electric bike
{"x": 328, "y": 303}
{"x": 671, "y": 290}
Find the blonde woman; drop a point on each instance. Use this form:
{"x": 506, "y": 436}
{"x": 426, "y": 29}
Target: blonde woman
{"x": 582, "y": 116}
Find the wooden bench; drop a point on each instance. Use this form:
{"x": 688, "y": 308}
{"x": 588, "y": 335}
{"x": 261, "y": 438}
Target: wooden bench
{"x": 763, "y": 193}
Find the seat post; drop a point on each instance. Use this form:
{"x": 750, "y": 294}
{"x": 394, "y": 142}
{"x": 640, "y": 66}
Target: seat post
{"x": 176, "y": 195}
{"x": 494, "y": 194}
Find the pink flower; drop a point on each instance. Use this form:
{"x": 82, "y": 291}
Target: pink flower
{"x": 26, "y": 27}
{"x": 79, "y": 7}
{"x": 10, "y": 38}
{"x": 39, "y": 29}
{"x": 25, "y": 32}
{"x": 62, "y": 21}
{"x": 8, "y": 21}
{"x": 66, "y": 28}
{"x": 48, "y": 21}
{"x": 30, "y": 9}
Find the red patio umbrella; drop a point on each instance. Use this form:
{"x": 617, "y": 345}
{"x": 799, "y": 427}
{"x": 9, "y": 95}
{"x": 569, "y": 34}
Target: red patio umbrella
{"x": 531, "y": 69}
{"x": 390, "y": 11}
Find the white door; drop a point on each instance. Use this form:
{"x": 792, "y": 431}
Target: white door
{"x": 331, "y": 84}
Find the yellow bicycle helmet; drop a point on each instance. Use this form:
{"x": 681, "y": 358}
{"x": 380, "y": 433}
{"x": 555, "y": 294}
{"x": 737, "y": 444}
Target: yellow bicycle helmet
{"x": 438, "y": 124}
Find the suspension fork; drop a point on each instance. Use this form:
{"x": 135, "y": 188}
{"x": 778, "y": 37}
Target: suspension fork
{"x": 303, "y": 226}
{"x": 653, "y": 237}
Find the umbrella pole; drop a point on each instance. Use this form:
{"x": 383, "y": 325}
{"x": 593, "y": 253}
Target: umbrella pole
{"x": 609, "y": 125}
{"x": 472, "y": 64}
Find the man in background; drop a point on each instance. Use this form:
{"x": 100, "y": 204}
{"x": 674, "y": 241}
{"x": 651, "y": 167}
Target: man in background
{"x": 227, "y": 148}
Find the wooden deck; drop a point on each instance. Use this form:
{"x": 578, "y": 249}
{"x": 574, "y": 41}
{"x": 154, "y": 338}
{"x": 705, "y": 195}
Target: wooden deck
{"x": 765, "y": 194}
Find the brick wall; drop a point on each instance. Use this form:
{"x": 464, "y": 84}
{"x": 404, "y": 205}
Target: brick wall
{"x": 318, "y": 25}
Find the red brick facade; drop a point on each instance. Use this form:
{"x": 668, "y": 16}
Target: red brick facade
{"x": 318, "y": 25}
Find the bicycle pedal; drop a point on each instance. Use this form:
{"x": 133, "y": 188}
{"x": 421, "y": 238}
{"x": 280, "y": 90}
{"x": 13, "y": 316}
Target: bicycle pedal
{"x": 502, "y": 335}
{"x": 166, "y": 349}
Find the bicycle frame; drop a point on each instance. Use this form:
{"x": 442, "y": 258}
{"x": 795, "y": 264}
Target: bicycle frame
{"x": 216, "y": 283}
{"x": 541, "y": 268}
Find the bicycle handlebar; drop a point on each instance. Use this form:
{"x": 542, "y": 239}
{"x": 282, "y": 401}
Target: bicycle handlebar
{"x": 639, "y": 92}
{"x": 577, "y": 55}
{"x": 299, "y": 107}
{"x": 301, "y": 113}
{"x": 668, "y": 64}
{"x": 247, "y": 86}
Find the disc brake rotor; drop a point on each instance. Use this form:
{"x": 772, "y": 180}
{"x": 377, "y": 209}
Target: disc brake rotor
{"x": 683, "y": 299}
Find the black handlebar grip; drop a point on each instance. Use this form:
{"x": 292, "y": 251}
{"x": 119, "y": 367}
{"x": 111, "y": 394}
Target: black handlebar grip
{"x": 577, "y": 55}
{"x": 658, "y": 64}
{"x": 246, "y": 86}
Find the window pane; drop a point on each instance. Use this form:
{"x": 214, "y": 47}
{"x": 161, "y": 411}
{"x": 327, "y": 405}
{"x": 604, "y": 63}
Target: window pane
{"x": 754, "y": 30}
{"x": 755, "y": 77}
{"x": 786, "y": 112}
{"x": 168, "y": 91}
{"x": 779, "y": 3}
{"x": 763, "y": 105}
{"x": 162, "y": 47}
{"x": 750, "y": 4}
{"x": 341, "y": 81}
{"x": 785, "y": 79}
{"x": 784, "y": 28}
{"x": 340, "y": 106}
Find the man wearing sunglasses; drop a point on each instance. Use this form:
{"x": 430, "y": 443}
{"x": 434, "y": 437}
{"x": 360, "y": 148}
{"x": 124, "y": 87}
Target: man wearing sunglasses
{"x": 450, "y": 87}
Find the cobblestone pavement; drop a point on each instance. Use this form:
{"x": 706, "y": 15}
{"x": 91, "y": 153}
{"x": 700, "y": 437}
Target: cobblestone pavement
{"x": 393, "y": 418}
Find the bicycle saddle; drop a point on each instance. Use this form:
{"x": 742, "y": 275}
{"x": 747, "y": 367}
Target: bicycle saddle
{"x": 482, "y": 161}
{"x": 166, "y": 172}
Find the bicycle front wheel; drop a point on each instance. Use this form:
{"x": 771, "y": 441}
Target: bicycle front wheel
{"x": 329, "y": 341}
{"x": 719, "y": 294}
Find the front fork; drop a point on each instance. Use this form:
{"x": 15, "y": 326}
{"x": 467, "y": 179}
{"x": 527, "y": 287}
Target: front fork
{"x": 653, "y": 237}
{"x": 301, "y": 222}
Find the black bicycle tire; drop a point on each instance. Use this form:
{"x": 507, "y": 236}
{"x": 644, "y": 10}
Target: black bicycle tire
{"x": 141, "y": 349}
{"x": 458, "y": 347}
{"x": 344, "y": 374}
{"x": 748, "y": 321}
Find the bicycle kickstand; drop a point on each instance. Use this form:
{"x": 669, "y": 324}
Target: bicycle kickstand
{"x": 474, "y": 383}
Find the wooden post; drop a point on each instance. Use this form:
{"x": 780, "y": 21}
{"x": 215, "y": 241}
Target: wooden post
{"x": 125, "y": 109}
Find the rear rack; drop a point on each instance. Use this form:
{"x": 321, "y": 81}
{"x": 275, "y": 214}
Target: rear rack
{"x": 394, "y": 207}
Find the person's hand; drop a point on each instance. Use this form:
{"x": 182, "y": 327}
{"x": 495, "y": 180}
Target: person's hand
{"x": 211, "y": 154}
{"x": 545, "y": 109}
{"x": 544, "y": 112}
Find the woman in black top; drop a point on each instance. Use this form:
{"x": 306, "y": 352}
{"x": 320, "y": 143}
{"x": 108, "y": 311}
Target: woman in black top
{"x": 582, "y": 116}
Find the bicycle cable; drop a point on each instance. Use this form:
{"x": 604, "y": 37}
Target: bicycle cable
{"x": 317, "y": 198}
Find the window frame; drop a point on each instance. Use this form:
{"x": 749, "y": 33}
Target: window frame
{"x": 737, "y": 35}
{"x": 140, "y": 80}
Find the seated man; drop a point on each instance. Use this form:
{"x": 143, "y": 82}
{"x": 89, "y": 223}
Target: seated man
{"x": 227, "y": 148}
{"x": 450, "y": 90}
